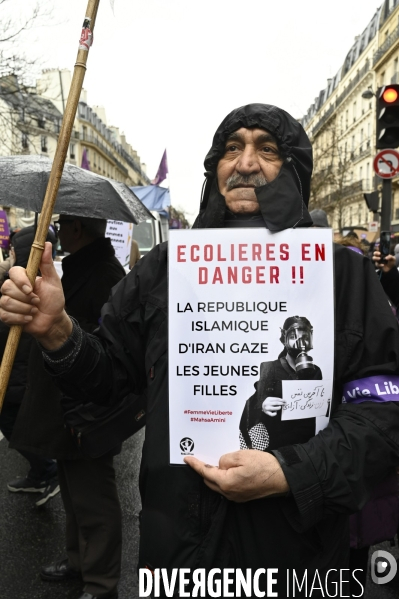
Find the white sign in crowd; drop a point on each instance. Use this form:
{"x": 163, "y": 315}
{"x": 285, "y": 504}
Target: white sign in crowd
{"x": 120, "y": 234}
{"x": 230, "y": 294}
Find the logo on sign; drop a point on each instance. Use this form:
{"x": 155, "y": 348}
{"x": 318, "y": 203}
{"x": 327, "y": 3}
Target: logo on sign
{"x": 187, "y": 446}
{"x": 383, "y": 567}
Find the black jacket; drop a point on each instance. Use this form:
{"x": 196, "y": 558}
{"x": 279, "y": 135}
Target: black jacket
{"x": 330, "y": 476}
{"x": 183, "y": 523}
{"x": 18, "y": 379}
{"x": 390, "y": 284}
{"x": 88, "y": 277}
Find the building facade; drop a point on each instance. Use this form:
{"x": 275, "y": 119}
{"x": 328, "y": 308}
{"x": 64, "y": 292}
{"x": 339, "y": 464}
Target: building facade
{"x": 386, "y": 67}
{"x": 30, "y": 122}
{"x": 107, "y": 149}
{"x": 341, "y": 124}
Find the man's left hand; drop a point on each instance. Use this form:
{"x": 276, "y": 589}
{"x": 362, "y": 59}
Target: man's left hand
{"x": 243, "y": 475}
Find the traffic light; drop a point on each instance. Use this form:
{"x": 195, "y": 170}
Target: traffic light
{"x": 372, "y": 200}
{"x": 388, "y": 117}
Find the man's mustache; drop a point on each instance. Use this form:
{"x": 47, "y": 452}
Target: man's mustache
{"x": 237, "y": 180}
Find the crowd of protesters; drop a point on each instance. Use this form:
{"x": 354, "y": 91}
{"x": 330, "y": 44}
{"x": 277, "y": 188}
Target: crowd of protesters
{"x": 237, "y": 519}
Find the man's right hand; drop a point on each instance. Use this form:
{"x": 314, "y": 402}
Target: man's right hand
{"x": 39, "y": 310}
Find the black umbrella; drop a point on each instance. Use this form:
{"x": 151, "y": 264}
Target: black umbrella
{"x": 23, "y": 183}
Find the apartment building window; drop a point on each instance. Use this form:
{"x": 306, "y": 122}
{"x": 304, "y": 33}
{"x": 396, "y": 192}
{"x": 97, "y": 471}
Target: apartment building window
{"x": 368, "y": 134}
{"x": 353, "y": 143}
{"x": 43, "y": 143}
{"x": 382, "y": 78}
{"x": 24, "y": 141}
{"x": 95, "y": 159}
{"x": 72, "y": 151}
{"x": 41, "y": 122}
{"x": 367, "y": 174}
{"x": 354, "y": 111}
{"x": 395, "y": 71}
{"x": 361, "y": 139}
{"x": 346, "y": 118}
{"x": 360, "y": 173}
{"x": 359, "y": 214}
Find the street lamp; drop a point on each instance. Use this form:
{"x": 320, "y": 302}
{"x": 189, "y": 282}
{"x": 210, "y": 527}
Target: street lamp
{"x": 368, "y": 94}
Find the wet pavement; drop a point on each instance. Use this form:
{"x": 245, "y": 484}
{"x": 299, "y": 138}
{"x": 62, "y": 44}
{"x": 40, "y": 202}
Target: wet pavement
{"x": 31, "y": 537}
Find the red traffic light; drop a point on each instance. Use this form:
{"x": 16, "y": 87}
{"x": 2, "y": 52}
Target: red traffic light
{"x": 390, "y": 95}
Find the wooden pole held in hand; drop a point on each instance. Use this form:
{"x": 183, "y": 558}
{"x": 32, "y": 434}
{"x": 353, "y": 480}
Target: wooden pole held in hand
{"x": 50, "y": 197}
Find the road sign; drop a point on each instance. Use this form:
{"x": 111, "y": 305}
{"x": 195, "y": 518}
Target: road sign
{"x": 373, "y": 226}
{"x": 386, "y": 164}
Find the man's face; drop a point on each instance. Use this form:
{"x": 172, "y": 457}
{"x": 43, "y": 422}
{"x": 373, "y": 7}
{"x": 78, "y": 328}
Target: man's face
{"x": 66, "y": 232}
{"x": 251, "y": 159}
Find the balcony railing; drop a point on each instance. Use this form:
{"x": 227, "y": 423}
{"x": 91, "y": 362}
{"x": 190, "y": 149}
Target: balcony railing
{"x": 363, "y": 71}
{"x": 357, "y": 78}
{"x": 344, "y": 193}
{"x": 390, "y": 40}
{"x": 93, "y": 140}
{"x": 119, "y": 149}
{"x": 323, "y": 119}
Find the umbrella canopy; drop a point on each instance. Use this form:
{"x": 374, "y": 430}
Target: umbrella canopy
{"x": 23, "y": 183}
{"x": 154, "y": 197}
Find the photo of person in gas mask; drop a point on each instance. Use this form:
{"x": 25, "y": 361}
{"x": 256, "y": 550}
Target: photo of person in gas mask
{"x": 261, "y": 426}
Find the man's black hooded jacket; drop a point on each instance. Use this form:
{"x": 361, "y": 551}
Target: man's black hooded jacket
{"x": 183, "y": 523}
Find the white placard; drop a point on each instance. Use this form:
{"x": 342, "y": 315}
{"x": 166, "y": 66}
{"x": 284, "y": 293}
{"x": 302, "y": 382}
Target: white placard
{"x": 120, "y": 234}
{"x": 230, "y": 293}
{"x": 306, "y": 399}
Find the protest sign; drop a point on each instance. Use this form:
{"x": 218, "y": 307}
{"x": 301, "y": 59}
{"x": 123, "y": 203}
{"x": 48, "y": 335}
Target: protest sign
{"x": 120, "y": 234}
{"x": 306, "y": 399}
{"x": 4, "y": 231}
{"x": 243, "y": 370}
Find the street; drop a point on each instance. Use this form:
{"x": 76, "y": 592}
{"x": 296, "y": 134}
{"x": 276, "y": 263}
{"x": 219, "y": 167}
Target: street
{"x": 31, "y": 537}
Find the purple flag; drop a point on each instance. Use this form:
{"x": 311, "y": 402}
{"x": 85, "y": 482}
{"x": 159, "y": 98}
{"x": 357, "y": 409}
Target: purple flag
{"x": 85, "y": 161}
{"x": 162, "y": 170}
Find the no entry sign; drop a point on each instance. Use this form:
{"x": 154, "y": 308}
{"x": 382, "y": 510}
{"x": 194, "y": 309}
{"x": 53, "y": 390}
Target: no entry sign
{"x": 386, "y": 164}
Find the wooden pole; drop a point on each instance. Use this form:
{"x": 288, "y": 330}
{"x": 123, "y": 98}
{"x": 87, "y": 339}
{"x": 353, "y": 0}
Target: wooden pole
{"x": 53, "y": 183}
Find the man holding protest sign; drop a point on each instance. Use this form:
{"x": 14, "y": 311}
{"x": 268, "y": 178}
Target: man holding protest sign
{"x": 287, "y": 508}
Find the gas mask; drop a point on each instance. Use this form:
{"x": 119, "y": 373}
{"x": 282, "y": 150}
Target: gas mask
{"x": 298, "y": 340}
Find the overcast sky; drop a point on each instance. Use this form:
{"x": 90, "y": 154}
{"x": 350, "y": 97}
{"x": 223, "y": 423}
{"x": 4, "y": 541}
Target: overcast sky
{"x": 168, "y": 71}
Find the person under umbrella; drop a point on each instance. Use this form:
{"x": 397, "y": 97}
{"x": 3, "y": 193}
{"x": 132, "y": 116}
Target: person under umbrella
{"x": 42, "y": 475}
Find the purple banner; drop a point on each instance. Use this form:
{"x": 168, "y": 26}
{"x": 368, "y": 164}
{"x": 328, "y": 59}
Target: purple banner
{"x": 379, "y": 388}
{"x": 4, "y": 231}
{"x": 162, "y": 171}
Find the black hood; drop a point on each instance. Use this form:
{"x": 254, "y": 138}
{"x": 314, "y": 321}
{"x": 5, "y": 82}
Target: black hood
{"x": 283, "y": 202}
